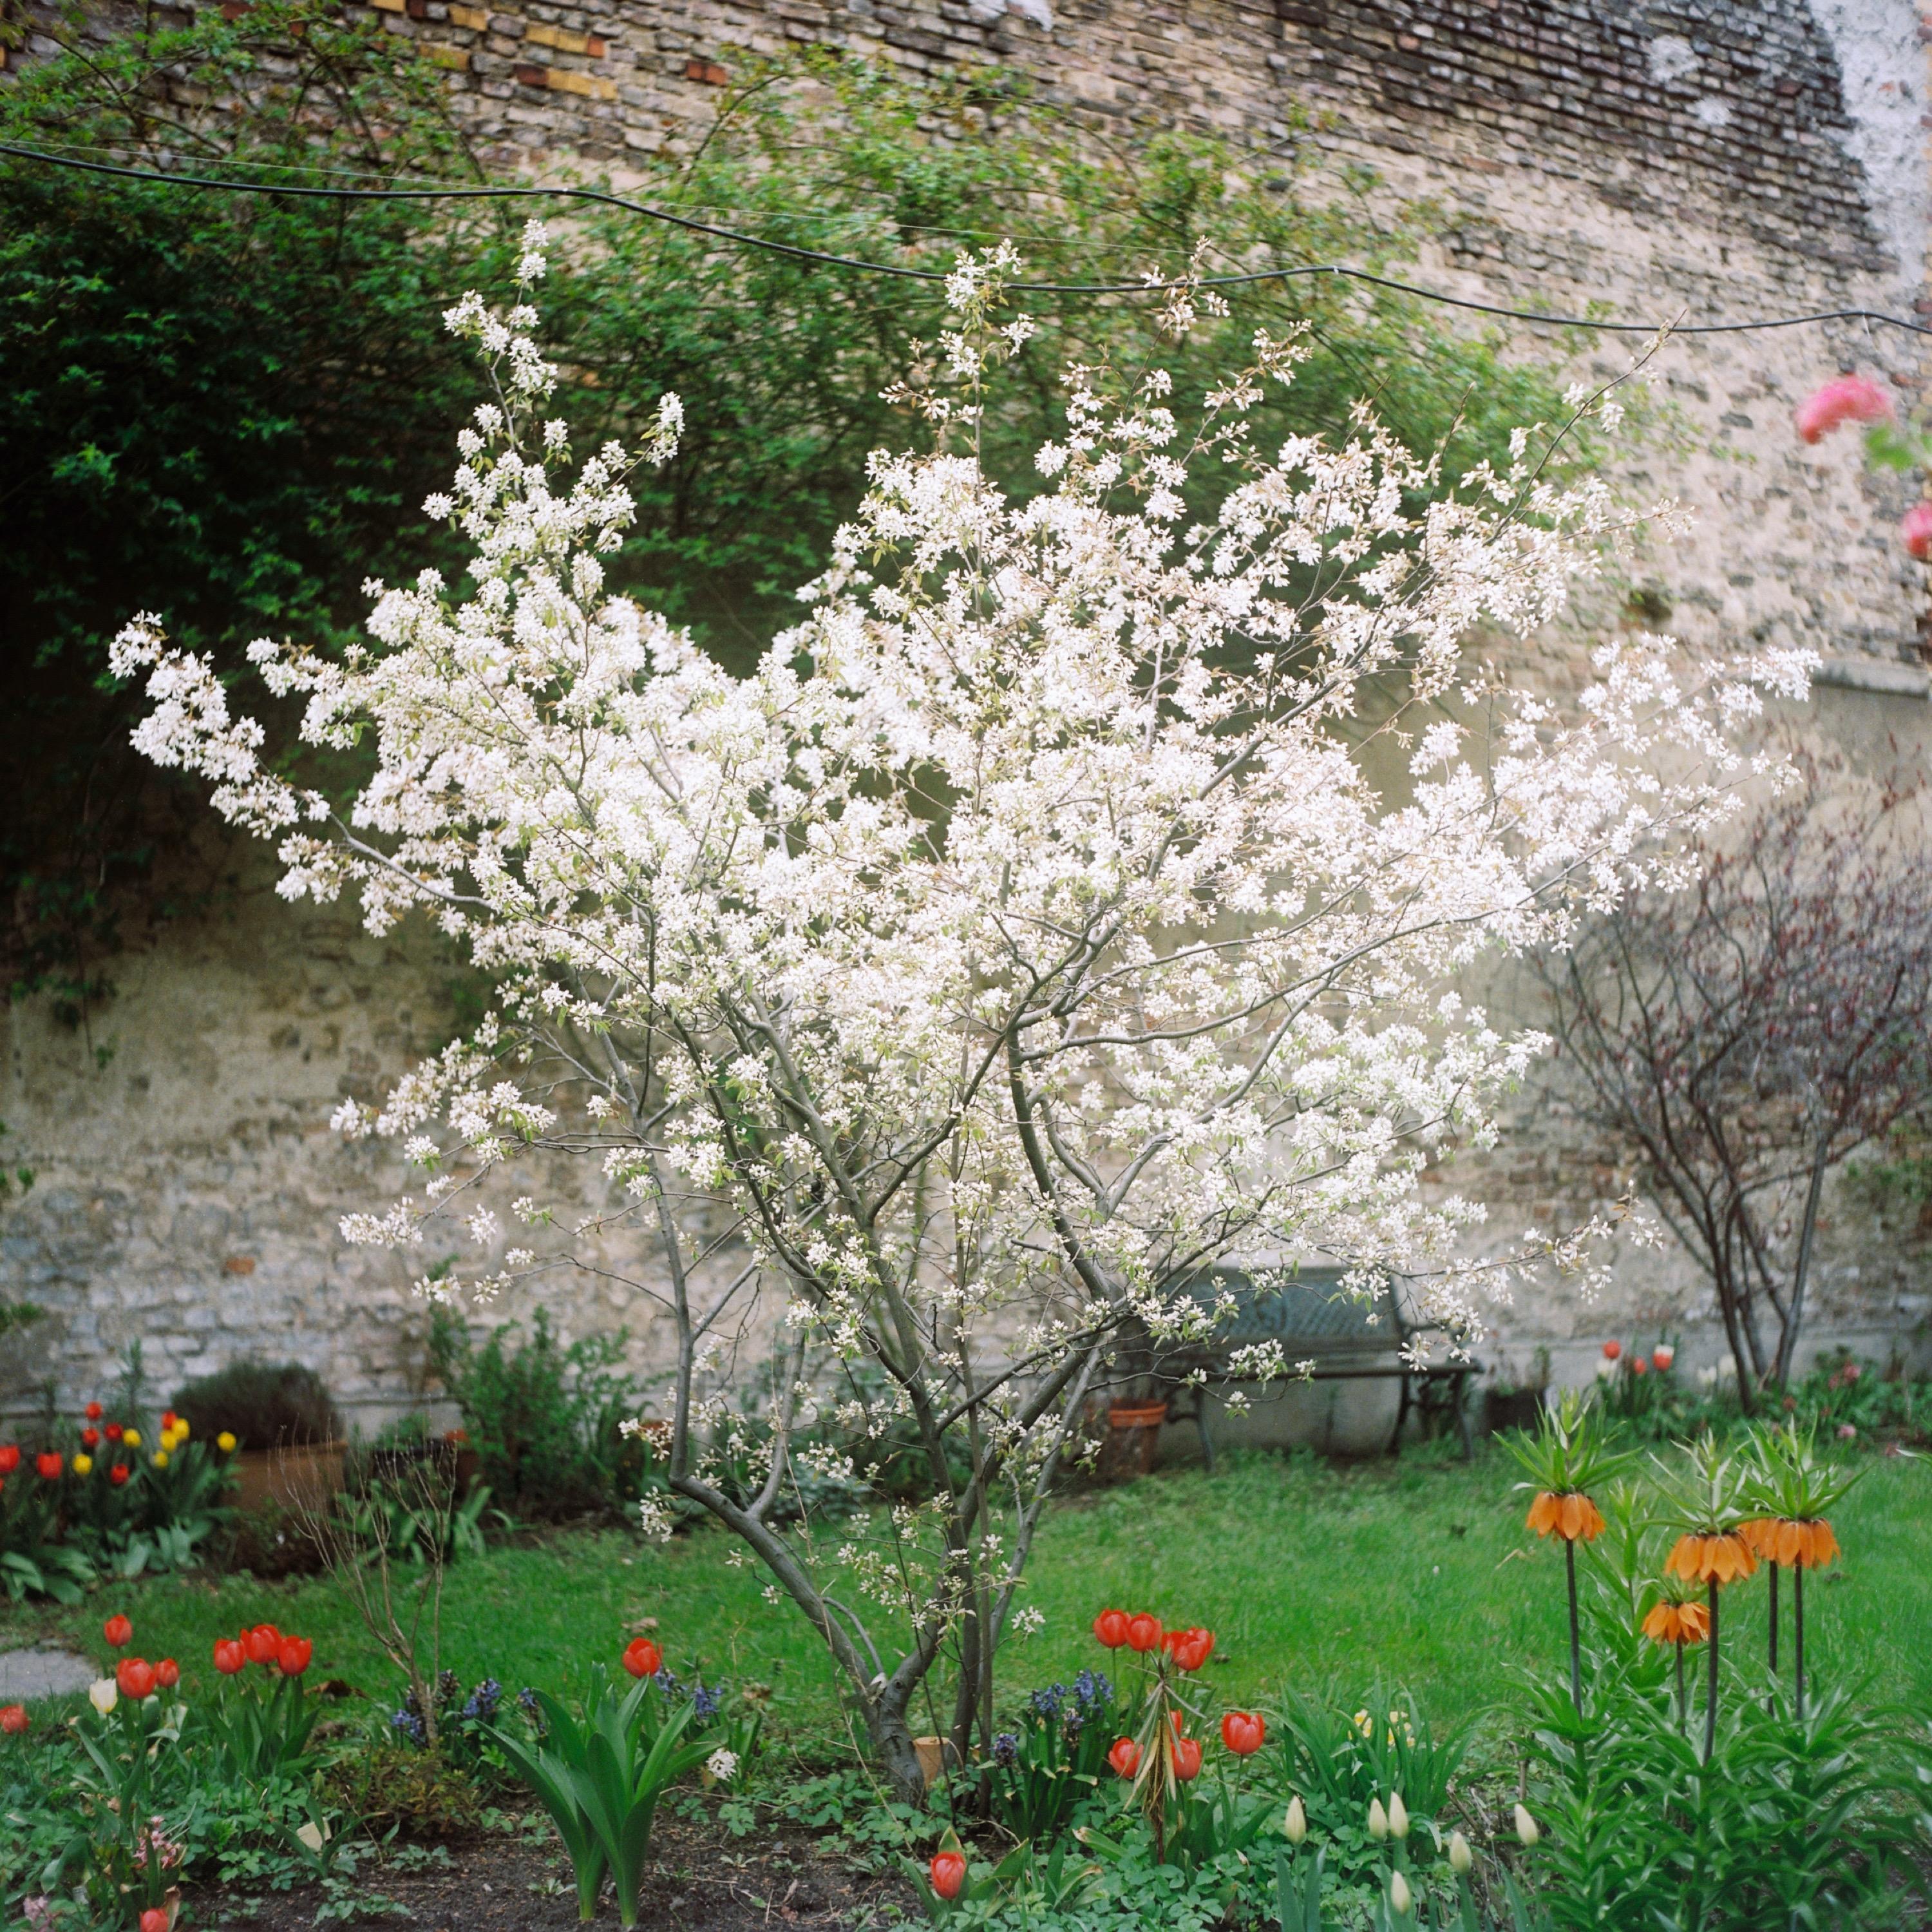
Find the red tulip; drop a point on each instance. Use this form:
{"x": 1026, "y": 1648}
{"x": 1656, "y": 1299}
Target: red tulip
{"x": 1186, "y": 1758}
{"x": 1662, "y": 1356}
{"x": 136, "y": 1677}
{"x": 1243, "y": 1732}
{"x": 1612, "y": 1350}
{"x": 48, "y": 1464}
{"x": 119, "y": 1474}
{"x": 10, "y": 1459}
{"x": 262, "y": 1643}
{"x": 94, "y": 1411}
{"x": 1638, "y": 1366}
{"x": 642, "y": 1658}
{"x": 1192, "y": 1649}
{"x": 1144, "y": 1632}
{"x": 167, "y": 1673}
{"x": 118, "y": 1631}
{"x": 292, "y": 1658}
{"x": 1111, "y": 1627}
{"x": 229, "y": 1657}
{"x": 90, "y": 1438}
{"x": 948, "y": 1874}
{"x": 167, "y": 1418}
{"x": 155, "y": 1919}
{"x": 13, "y": 1720}
{"x": 115, "y": 1431}
{"x": 1125, "y": 1757}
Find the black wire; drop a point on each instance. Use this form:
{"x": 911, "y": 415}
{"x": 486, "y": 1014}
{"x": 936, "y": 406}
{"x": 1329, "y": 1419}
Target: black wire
{"x": 607, "y": 200}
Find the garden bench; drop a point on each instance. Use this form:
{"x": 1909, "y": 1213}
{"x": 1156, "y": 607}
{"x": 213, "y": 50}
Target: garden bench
{"x": 1347, "y": 1338}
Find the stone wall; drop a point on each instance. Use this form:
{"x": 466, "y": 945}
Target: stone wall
{"x": 1717, "y": 159}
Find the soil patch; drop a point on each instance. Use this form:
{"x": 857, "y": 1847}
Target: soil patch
{"x": 700, "y": 1881}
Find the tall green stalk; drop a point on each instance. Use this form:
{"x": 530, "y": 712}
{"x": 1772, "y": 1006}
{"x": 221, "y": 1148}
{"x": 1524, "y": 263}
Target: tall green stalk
{"x": 1710, "y": 1697}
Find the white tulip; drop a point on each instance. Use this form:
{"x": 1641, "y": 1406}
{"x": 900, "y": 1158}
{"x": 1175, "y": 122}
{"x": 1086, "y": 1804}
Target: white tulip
{"x": 1398, "y": 1894}
{"x": 1379, "y": 1823}
{"x": 1294, "y": 1826}
{"x": 1460, "y": 1858}
{"x": 1398, "y": 1817}
{"x": 1526, "y": 1828}
{"x": 103, "y": 1695}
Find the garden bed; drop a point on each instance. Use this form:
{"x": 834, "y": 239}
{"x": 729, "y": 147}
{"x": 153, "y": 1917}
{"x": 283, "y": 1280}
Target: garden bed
{"x": 701, "y": 1881}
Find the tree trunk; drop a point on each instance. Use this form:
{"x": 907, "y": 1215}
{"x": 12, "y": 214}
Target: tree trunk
{"x": 1787, "y": 1342}
{"x": 891, "y": 1743}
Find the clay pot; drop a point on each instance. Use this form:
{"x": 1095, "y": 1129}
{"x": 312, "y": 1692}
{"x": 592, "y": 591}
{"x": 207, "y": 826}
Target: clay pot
{"x": 1133, "y": 1437}
{"x": 300, "y": 1476}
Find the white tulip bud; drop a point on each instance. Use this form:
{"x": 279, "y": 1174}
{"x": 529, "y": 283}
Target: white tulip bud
{"x": 102, "y": 1694}
{"x": 1460, "y": 1858}
{"x": 1398, "y": 1816}
{"x": 1378, "y": 1820}
{"x": 1526, "y": 1828}
{"x": 1294, "y": 1826}
{"x": 1398, "y": 1894}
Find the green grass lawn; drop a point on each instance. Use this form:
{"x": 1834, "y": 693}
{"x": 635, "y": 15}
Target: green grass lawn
{"x": 1414, "y": 1574}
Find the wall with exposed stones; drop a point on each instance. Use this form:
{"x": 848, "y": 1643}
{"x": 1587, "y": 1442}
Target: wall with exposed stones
{"x": 1705, "y": 159}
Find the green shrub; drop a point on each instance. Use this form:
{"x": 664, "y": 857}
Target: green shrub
{"x": 264, "y": 1406}
{"x": 544, "y": 1419}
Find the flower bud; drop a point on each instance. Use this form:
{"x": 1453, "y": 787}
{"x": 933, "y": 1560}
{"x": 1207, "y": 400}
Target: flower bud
{"x": 1459, "y": 1858}
{"x": 1398, "y": 1894}
{"x": 1294, "y": 1826}
{"x": 1398, "y": 1816}
{"x": 1526, "y": 1828}
{"x": 1378, "y": 1820}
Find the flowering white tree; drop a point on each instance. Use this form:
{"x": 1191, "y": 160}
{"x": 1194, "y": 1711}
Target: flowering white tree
{"x": 1026, "y": 935}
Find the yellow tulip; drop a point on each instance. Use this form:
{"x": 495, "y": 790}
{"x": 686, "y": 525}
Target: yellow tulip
{"x": 225, "y": 1442}
{"x": 180, "y": 1429}
{"x": 83, "y": 1464}
{"x": 133, "y": 1438}
{"x": 160, "y": 1458}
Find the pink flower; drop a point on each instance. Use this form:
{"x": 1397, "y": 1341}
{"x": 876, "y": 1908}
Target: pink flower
{"x": 1846, "y": 1433}
{"x": 1849, "y": 399}
{"x": 1914, "y": 529}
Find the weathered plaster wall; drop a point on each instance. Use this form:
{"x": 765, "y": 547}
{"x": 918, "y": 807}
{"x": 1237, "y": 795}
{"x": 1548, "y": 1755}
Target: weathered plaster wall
{"x": 1721, "y": 157}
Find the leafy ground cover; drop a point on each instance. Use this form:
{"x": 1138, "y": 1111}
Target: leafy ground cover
{"x": 1416, "y": 1573}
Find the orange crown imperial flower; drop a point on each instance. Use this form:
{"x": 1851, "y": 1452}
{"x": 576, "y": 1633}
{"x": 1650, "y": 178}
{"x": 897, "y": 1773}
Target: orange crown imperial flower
{"x": 1721, "y": 1559}
{"x": 1678, "y": 1623}
{"x": 1570, "y": 1514}
{"x": 1801, "y": 1543}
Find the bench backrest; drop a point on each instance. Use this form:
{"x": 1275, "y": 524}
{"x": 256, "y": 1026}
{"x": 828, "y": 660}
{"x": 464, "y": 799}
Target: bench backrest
{"x": 1308, "y": 1312}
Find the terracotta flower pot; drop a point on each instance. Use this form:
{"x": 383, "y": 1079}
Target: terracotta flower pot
{"x": 300, "y": 1476}
{"x": 1133, "y": 1437}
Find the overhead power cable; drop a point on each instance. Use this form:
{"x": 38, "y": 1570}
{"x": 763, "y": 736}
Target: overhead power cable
{"x": 738, "y": 237}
